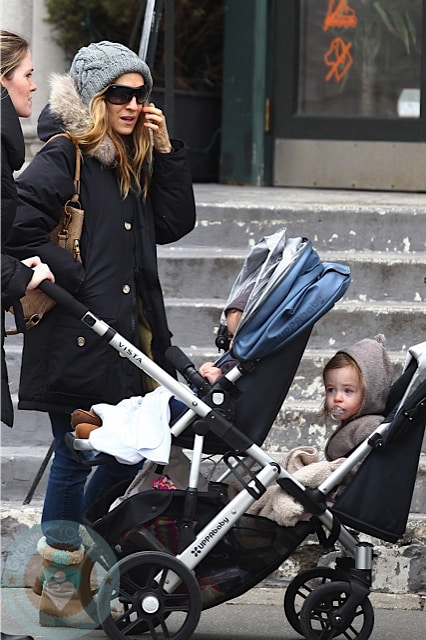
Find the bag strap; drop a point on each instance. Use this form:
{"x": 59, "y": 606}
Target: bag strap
{"x": 77, "y": 173}
{"x": 76, "y": 194}
{"x": 72, "y": 204}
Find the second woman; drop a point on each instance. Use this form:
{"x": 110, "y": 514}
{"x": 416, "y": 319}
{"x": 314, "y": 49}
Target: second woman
{"x": 136, "y": 190}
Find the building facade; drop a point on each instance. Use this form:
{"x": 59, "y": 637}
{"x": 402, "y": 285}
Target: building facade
{"x": 325, "y": 93}
{"x": 315, "y": 93}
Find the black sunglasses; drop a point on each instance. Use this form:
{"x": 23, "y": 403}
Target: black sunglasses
{"x": 121, "y": 94}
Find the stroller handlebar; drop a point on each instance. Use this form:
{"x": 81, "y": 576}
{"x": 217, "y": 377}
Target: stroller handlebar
{"x": 64, "y": 299}
{"x": 183, "y": 364}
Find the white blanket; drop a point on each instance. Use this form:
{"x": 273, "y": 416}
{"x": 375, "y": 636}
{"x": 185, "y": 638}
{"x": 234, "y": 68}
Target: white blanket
{"x": 135, "y": 429}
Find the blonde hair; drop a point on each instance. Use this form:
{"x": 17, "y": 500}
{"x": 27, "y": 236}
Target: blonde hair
{"x": 338, "y": 361}
{"x": 14, "y": 48}
{"x": 133, "y": 160}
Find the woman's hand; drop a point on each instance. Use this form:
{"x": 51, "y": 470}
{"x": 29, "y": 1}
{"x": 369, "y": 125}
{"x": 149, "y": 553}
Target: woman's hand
{"x": 40, "y": 272}
{"x": 156, "y": 121}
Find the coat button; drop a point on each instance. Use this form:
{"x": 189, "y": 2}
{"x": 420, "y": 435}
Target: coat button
{"x": 126, "y": 288}
{"x": 81, "y": 341}
{"x": 127, "y": 226}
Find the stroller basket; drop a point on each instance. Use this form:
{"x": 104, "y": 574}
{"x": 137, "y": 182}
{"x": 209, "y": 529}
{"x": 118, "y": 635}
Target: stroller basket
{"x": 251, "y": 550}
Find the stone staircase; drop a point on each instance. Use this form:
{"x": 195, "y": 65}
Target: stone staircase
{"x": 381, "y": 236}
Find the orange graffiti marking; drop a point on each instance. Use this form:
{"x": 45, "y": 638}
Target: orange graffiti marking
{"x": 338, "y": 58}
{"x": 339, "y": 15}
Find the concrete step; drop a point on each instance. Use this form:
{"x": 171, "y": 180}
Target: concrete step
{"x": 237, "y": 217}
{"x": 375, "y": 276}
{"x": 31, "y": 429}
{"x": 21, "y": 466}
{"x": 194, "y": 322}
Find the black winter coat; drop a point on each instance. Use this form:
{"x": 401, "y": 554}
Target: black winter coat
{"x": 14, "y": 275}
{"x": 66, "y": 365}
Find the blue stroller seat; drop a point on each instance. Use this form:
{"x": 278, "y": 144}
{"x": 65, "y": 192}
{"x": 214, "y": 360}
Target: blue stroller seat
{"x": 257, "y": 401}
{"x": 288, "y": 288}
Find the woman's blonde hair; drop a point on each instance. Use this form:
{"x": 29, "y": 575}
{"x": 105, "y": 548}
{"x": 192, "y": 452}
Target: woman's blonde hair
{"x": 133, "y": 159}
{"x": 338, "y": 361}
{"x": 14, "y": 48}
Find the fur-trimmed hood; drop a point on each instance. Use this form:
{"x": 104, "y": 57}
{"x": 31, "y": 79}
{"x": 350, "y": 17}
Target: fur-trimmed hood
{"x": 67, "y": 112}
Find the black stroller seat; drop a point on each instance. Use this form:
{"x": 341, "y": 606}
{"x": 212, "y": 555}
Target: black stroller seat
{"x": 390, "y": 470}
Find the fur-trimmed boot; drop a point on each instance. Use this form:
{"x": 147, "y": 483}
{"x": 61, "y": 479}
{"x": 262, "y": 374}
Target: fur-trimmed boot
{"x": 60, "y": 579}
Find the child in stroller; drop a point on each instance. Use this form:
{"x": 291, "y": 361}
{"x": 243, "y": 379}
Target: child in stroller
{"x": 357, "y": 381}
{"x": 179, "y": 552}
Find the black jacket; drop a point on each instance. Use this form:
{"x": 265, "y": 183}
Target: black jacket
{"x": 14, "y": 275}
{"x": 65, "y": 364}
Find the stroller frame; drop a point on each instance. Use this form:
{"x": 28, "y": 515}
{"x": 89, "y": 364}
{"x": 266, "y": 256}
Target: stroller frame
{"x": 353, "y": 591}
{"x": 271, "y": 471}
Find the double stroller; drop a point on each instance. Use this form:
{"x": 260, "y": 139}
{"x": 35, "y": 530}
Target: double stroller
{"x": 173, "y": 553}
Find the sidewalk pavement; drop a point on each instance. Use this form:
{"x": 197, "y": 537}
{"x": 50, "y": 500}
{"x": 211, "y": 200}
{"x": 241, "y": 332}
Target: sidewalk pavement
{"x": 254, "y": 616}
{"x": 397, "y": 615}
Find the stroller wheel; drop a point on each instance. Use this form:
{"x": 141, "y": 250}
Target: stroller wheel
{"x": 301, "y": 586}
{"x": 149, "y": 592}
{"x": 320, "y": 618}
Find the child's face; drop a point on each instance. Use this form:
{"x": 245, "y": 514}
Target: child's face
{"x": 233, "y": 317}
{"x": 343, "y": 390}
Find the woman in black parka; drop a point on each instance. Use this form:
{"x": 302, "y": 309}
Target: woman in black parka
{"x": 17, "y": 86}
{"x": 136, "y": 190}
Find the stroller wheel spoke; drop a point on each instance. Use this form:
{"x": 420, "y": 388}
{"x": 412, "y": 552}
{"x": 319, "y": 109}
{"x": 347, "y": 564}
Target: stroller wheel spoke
{"x": 128, "y": 585}
{"x": 145, "y": 579}
{"x": 174, "y": 602}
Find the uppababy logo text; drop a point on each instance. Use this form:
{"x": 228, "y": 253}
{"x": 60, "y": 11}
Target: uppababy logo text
{"x": 302, "y": 316}
{"x": 129, "y": 353}
{"x": 209, "y": 537}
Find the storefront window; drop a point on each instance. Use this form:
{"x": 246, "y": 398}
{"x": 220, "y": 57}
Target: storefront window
{"x": 360, "y": 58}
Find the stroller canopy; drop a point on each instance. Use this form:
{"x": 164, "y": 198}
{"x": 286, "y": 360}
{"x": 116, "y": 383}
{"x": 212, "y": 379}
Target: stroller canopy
{"x": 287, "y": 288}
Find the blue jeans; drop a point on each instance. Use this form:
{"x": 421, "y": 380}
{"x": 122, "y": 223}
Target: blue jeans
{"x": 66, "y": 497}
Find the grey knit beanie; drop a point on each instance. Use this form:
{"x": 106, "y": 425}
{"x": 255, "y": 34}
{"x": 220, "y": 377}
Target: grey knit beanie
{"x": 96, "y": 66}
{"x": 374, "y": 362}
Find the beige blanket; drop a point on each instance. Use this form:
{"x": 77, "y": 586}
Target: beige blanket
{"x": 304, "y": 464}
